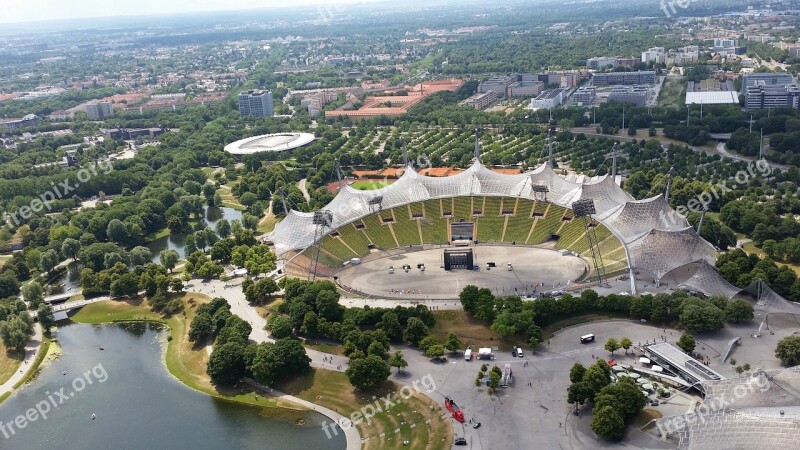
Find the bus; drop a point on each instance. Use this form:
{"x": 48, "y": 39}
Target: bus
{"x": 587, "y": 338}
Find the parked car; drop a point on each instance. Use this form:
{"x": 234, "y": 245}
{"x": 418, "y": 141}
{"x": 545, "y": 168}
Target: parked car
{"x": 461, "y": 441}
{"x": 476, "y": 425}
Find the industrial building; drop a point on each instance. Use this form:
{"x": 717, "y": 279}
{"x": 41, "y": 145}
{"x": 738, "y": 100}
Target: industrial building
{"x": 762, "y": 96}
{"x": 601, "y": 62}
{"x": 497, "y": 84}
{"x": 256, "y": 103}
{"x": 525, "y": 89}
{"x": 767, "y": 79}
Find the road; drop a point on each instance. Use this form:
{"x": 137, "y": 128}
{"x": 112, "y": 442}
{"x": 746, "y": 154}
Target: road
{"x": 302, "y": 186}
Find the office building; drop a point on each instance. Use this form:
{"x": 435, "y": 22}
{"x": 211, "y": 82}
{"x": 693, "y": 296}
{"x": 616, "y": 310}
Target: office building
{"x": 601, "y": 62}
{"x": 767, "y": 79}
{"x": 636, "y": 95}
{"x": 585, "y": 95}
{"x": 29, "y": 120}
{"x": 764, "y": 96}
{"x": 497, "y": 84}
{"x": 630, "y": 78}
{"x": 655, "y": 55}
{"x": 720, "y": 43}
{"x": 481, "y": 100}
{"x": 99, "y": 110}
{"x": 525, "y": 89}
{"x": 548, "y": 99}
{"x": 256, "y": 103}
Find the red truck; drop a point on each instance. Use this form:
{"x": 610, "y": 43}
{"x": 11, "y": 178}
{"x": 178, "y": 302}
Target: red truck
{"x": 454, "y": 409}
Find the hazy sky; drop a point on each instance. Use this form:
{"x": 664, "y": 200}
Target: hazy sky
{"x": 35, "y": 10}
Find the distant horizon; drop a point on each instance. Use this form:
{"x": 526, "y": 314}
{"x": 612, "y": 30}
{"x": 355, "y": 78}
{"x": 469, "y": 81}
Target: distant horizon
{"x": 19, "y": 12}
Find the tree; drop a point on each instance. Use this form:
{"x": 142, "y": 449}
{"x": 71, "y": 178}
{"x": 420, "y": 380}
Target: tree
{"x": 612, "y": 345}
{"x": 169, "y": 259}
{"x": 390, "y": 324}
{"x": 286, "y": 357}
{"x": 223, "y": 228}
{"x": 49, "y": 260}
{"x": 738, "y": 310}
{"x": 416, "y": 330}
{"x": 376, "y": 349}
{"x": 397, "y": 360}
{"x": 608, "y": 423}
{"x": 435, "y": 351}
{"x": 626, "y": 344}
{"x": 686, "y": 343}
{"x": 226, "y": 365}
{"x": 33, "y": 293}
{"x": 280, "y": 326}
{"x": 202, "y": 327}
{"x": 45, "y": 316}
{"x": 141, "y": 256}
{"x": 117, "y": 231}
{"x": 701, "y": 317}
{"x": 578, "y": 393}
{"x": 576, "y": 373}
{"x": 788, "y": 350}
{"x": 70, "y": 248}
{"x": 427, "y": 342}
{"x": 453, "y": 343}
{"x": 367, "y": 373}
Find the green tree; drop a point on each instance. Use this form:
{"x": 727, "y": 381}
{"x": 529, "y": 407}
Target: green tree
{"x": 367, "y": 373}
{"x": 435, "y": 351}
{"x": 141, "y": 256}
{"x": 607, "y": 423}
{"x": 223, "y": 228}
{"x": 427, "y": 342}
{"x": 70, "y": 248}
{"x": 390, "y": 324}
{"x": 576, "y": 373}
{"x": 117, "y": 231}
{"x": 578, "y": 393}
{"x": 612, "y": 345}
{"x": 169, "y": 259}
{"x": 280, "y": 326}
{"x": 202, "y": 327}
{"x": 376, "y": 349}
{"x": 686, "y": 343}
{"x": 49, "y": 260}
{"x": 453, "y": 343}
{"x": 416, "y": 330}
{"x": 226, "y": 365}
{"x": 397, "y": 360}
{"x": 626, "y": 343}
{"x": 45, "y": 316}
{"x": 788, "y": 350}
{"x": 739, "y": 310}
{"x": 33, "y": 293}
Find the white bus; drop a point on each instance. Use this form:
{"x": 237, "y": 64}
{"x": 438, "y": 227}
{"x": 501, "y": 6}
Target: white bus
{"x": 587, "y": 338}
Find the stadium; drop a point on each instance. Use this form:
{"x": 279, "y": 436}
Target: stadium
{"x": 276, "y": 142}
{"x": 525, "y": 219}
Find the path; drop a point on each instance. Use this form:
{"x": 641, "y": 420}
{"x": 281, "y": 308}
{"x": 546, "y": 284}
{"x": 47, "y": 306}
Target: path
{"x": 302, "y": 186}
{"x": 32, "y": 350}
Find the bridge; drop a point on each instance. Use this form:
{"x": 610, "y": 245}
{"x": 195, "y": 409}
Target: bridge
{"x": 66, "y": 307}
{"x": 58, "y": 298}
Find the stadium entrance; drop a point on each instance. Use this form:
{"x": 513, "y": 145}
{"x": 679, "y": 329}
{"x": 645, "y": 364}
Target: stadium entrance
{"x": 462, "y": 233}
{"x": 458, "y": 259}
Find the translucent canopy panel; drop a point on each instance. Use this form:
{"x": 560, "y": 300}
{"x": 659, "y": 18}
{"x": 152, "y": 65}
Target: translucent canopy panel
{"x": 769, "y": 300}
{"x": 639, "y": 217}
{"x": 708, "y": 281}
{"x": 661, "y": 251}
{"x": 607, "y": 196}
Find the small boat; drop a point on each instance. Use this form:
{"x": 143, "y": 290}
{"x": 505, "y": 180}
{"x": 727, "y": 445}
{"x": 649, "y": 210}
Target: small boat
{"x": 93, "y": 416}
{"x": 101, "y": 348}
{"x": 63, "y": 372}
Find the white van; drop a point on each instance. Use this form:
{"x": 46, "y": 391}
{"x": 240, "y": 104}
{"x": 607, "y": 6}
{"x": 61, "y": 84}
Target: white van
{"x": 587, "y": 338}
{"x": 468, "y": 354}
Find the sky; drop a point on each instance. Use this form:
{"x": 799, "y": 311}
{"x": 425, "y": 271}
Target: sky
{"x": 38, "y": 10}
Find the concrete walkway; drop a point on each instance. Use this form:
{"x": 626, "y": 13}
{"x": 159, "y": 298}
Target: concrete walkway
{"x": 302, "y": 186}
{"x": 31, "y": 352}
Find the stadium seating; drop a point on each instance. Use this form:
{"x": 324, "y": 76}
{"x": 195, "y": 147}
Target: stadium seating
{"x": 414, "y": 210}
{"x": 572, "y": 234}
{"x": 547, "y": 225}
{"x": 519, "y": 225}
{"x": 379, "y": 234}
{"x": 355, "y": 239}
{"x": 337, "y": 249}
{"x": 462, "y": 208}
{"x": 406, "y": 230}
{"x": 491, "y": 223}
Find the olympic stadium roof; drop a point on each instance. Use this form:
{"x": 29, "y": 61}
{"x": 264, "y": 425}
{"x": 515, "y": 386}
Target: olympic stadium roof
{"x": 657, "y": 240}
{"x": 276, "y": 142}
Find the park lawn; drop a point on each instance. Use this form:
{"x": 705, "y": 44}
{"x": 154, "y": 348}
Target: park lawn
{"x": 750, "y": 247}
{"x": 4, "y": 259}
{"x": 184, "y": 359}
{"x": 267, "y": 223}
{"x": 325, "y": 347}
{"x": 673, "y": 93}
{"x": 333, "y": 390}
{"x": 470, "y": 330}
{"x": 9, "y": 363}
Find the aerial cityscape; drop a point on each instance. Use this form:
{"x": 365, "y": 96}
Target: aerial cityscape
{"x": 424, "y": 225}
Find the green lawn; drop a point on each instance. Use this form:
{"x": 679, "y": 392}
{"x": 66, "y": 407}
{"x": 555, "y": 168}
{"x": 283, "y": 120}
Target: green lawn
{"x": 673, "y": 93}
{"x": 4, "y": 259}
{"x": 333, "y": 390}
{"x": 9, "y": 363}
{"x": 370, "y": 185}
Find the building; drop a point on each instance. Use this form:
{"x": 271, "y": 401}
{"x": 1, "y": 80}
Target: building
{"x": 549, "y": 99}
{"x": 655, "y": 55}
{"x": 601, "y": 62}
{"x": 767, "y": 79}
{"x": 794, "y": 52}
{"x": 630, "y": 78}
{"x": 720, "y": 43}
{"x": 674, "y": 360}
{"x": 497, "y": 84}
{"x": 99, "y": 110}
{"x": 712, "y": 98}
{"x": 525, "y": 89}
{"x": 256, "y": 103}
{"x": 29, "y": 120}
{"x": 764, "y": 96}
{"x": 481, "y": 100}
{"x": 636, "y": 95}
{"x": 585, "y": 95}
